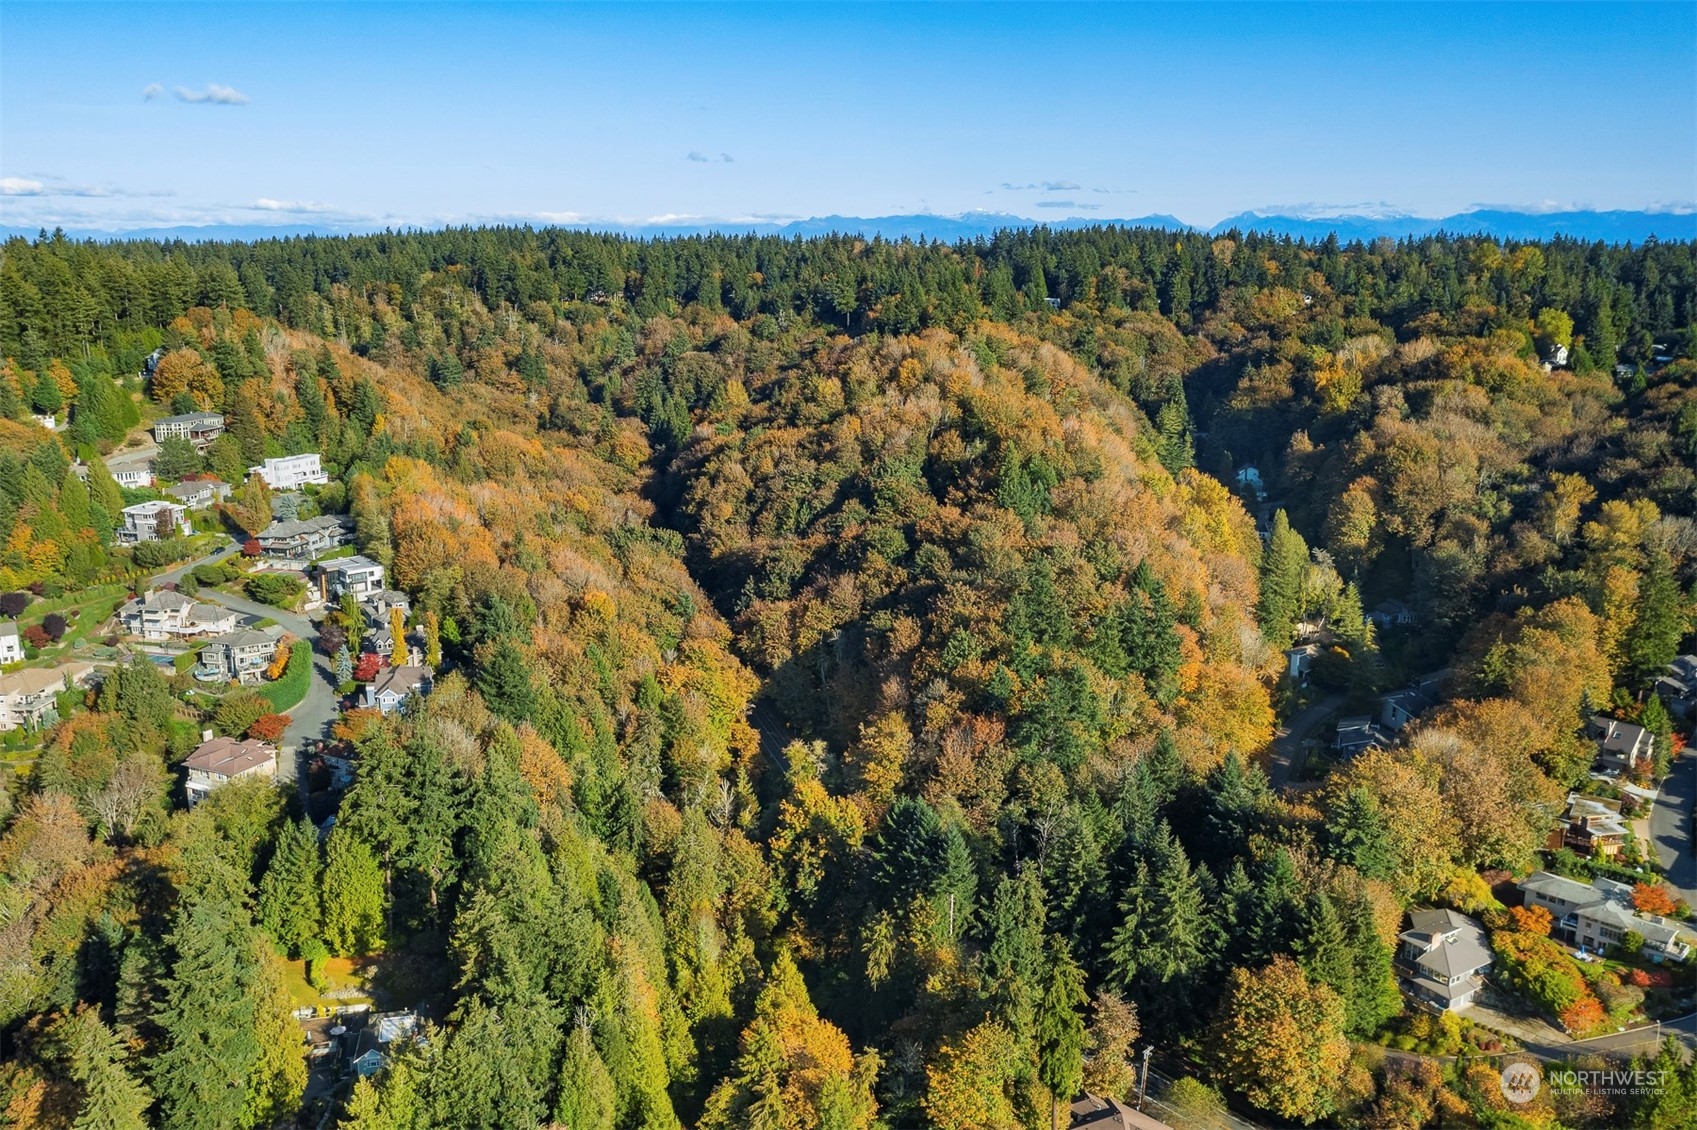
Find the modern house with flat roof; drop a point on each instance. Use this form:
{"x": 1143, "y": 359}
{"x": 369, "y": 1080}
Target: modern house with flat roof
{"x": 358, "y": 574}
{"x": 290, "y": 471}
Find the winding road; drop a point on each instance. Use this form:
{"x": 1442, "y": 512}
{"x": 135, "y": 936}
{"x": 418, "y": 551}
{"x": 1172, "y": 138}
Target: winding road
{"x": 312, "y": 716}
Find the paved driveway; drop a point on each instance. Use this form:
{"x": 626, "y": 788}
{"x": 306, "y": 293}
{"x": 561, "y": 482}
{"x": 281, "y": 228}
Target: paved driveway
{"x": 1284, "y": 756}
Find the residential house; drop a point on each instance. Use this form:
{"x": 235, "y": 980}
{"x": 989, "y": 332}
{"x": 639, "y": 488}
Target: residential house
{"x": 29, "y": 698}
{"x": 1591, "y": 826}
{"x": 160, "y": 614}
{"x": 1600, "y": 913}
{"x": 1391, "y": 613}
{"x": 394, "y": 685}
{"x": 218, "y": 761}
{"x": 1093, "y": 1112}
{"x": 1621, "y": 746}
{"x": 1249, "y": 478}
{"x": 1678, "y": 688}
{"x": 132, "y": 472}
{"x": 239, "y": 657}
{"x": 291, "y": 471}
{"x": 306, "y": 538}
{"x": 379, "y": 604}
{"x": 11, "y": 645}
{"x": 358, "y": 574}
{"x": 154, "y": 521}
{"x": 1443, "y": 958}
{"x": 199, "y": 428}
{"x": 1299, "y": 660}
{"x": 198, "y": 494}
{"x": 1358, "y": 733}
{"x": 1400, "y": 707}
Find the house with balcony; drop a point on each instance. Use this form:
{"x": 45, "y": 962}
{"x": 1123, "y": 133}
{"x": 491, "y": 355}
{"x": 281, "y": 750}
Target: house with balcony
{"x": 1442, "y": 958}
{"x": 1621, "y": 746}
{"x": 161, "y": 614}
{"x": 239, "y": 657}
{"x": 1591, "y": 826}
{"x": 199, "y": 428}
{"x": 29, "y": 698}
{"x": 133, "y": 472}
{"x": 154, "y": 521}
{"x": 290, "y": 471}
{"x": 359, "y": 575}
{"x": 218, "y": 761}
{"x": 305, "y": 538}
{"x": 1600, "y": 914}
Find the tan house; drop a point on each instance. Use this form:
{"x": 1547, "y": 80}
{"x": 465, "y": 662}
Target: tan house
{"x": 218, "y": 761}
{"x": 1591, "y": 826}
{"x": 160, "y": 614}
{"x": 29, "y": 698}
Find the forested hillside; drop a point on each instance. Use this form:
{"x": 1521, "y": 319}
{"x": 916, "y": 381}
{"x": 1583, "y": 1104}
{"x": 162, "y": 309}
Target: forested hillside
{"x": 862, "y": 660}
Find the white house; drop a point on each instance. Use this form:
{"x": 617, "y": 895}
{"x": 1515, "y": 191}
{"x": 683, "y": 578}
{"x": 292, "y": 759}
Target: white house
{"x": 218, "y": 761}
{"x": 132, "y": 474}
{"x": 291, "y": 471}
{"x": 358, "y": 574}
{"x": 154, "y": 521}
{"x": 394, "y": 685}
{"x": 161, "y": 614}
{"x": 1600, "y": 913}
{"x": 1443, "y": 958}
{"x": 199, "y": 428}
{"x": 1299, "y": 660}
{"x": 28, "y": 698}
{"x": 11, "y": 646}
{"x": 1621, "y": 746}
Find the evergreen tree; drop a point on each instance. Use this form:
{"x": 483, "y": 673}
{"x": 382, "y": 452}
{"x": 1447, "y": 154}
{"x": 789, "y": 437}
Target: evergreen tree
{"x": 45, "y": 399}
{"x": 110, "y": 1097}
{"x": 344, "y": 666}
{"x": 506, "y": 685}
{"x": 1374, "y": 996}
{"x": 1356, "y": 834}
{"x": 353, "y": 896}
{"x": 1013, "y": 958}
{"x": 586, "y": 1100}
{"x": 1167, "y": 939}
{"x": 289, "y": 906}
{"x": 1284, "y": 564}
{"x": 207, "y": 1019}
{"x": 1060, "y": 1029}
{"x": 1664, "y": 618}
{"x": 1174, "y": 447}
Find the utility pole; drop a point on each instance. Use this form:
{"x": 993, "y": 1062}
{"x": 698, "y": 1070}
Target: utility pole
{"x": 1143, "y": 1087}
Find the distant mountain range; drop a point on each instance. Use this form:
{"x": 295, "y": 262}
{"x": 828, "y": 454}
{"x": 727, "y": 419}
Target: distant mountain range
{"x": 1610, "y": 227}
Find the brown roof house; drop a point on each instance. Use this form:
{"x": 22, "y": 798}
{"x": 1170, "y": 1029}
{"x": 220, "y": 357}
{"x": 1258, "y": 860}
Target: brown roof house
{"x": 218, "y": 761}
{"x": 1591, "y": 826}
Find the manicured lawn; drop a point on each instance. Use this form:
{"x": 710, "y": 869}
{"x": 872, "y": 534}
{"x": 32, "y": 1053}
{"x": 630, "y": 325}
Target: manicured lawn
{"x": 287, "y": 692}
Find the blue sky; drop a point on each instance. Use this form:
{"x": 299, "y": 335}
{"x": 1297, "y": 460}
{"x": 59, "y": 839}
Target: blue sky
{"x": 140, "y": 115}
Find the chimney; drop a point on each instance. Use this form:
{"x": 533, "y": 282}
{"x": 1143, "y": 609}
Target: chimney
{"x": 206, "y": 735}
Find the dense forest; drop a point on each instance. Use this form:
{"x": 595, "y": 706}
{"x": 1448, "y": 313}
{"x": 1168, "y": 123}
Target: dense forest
{"x": 861, "y": 662}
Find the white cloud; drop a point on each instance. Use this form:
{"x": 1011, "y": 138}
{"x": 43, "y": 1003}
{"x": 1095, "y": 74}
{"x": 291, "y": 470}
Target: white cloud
{"x": 151, "y": 91}
{"x": 727, "y": 158}
{"x": 302, "y": 207}
{"x": 18, "y": 186}
{"x": 697, "y": 156}
{"x": 214, "y": 93}
{"x": 1067, "y": 204}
